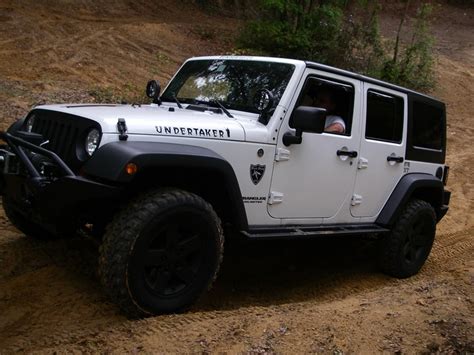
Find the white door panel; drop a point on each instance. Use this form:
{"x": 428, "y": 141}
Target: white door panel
{"x": 376, "y": 182}
{"x": 313, "y": 183}
{"x": 377, "y": 177}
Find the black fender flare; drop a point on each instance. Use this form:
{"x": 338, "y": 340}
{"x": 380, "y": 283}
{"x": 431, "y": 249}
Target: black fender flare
{"x": 410, "y": 185}
{"x": 109, "y": 162}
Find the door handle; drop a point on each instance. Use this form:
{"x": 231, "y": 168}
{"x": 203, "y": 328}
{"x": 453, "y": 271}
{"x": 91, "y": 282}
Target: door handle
{"x": 348, "y": 153}
{"x": 395, "y": 159}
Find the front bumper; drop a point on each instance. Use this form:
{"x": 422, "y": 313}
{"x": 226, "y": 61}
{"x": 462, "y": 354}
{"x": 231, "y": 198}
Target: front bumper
{"x": 50, "y": 201}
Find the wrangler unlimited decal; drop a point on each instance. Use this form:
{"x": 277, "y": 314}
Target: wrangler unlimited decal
{"x": 254, "y": 199}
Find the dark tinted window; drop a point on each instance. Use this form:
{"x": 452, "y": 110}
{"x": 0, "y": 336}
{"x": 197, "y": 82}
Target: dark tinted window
{"x": 427, "y": 126}
{"x": 340, "y": 94}
{"x": 384, "y": 117}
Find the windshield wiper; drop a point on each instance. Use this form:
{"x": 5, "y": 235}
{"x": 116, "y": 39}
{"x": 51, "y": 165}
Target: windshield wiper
{"x": 176, "y": 100}
{"x": 218, "y": 103}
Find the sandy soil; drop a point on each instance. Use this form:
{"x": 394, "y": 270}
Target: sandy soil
{"x": 318, "y": 296}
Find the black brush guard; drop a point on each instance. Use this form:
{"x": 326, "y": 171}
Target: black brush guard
{"x": 67, "y": 199}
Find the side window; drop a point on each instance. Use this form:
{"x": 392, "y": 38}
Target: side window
{"x": 384, "y": 120}
{"x": 427, "y": 126}
{"x": 336, "y": 97}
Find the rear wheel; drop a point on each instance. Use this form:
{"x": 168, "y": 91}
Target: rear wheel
{"x": 161, "y": 252}
{"x": 404, "y": 251}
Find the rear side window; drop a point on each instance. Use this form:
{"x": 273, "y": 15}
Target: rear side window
{"x": 427, "y": 126}
{"x": 384, "y": 117}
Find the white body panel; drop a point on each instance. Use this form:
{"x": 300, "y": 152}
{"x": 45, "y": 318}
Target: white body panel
{"x": 316, "y": 183}
{"x": 376, "y": 181}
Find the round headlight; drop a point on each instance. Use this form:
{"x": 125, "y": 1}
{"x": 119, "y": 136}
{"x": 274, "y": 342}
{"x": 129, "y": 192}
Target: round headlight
{"x": 29, "y": 123}
{"x": 92, "y": 141}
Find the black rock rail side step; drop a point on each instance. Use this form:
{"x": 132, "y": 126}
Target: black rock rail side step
{"x": 310, "y": 231}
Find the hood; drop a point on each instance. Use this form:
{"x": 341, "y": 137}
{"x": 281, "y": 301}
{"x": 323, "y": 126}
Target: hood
{"x": 169, "y": 120}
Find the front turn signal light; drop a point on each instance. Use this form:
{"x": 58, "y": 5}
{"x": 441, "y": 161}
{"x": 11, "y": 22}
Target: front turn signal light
{"x": 131, "y": 168}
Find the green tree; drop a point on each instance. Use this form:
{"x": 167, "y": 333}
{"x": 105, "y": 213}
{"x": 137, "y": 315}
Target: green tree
{"x": 342, "y": 33}
{"x": 414, "y": 66}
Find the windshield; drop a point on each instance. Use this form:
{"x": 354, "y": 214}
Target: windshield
{"x": 233, "y": 83}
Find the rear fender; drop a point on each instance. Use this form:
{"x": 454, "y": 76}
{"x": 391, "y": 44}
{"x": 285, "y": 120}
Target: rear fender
{"x": 417, "y": 185}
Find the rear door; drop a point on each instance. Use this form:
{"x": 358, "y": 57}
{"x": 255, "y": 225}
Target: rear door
{"x": 382, "y": 150}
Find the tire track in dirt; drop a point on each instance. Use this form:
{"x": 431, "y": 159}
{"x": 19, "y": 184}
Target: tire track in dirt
{"x": 339, "y": 287}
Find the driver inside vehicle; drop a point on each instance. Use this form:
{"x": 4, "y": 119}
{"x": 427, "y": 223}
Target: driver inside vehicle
{"x": 334, "y": 123}
{"x": 324, "y": 97}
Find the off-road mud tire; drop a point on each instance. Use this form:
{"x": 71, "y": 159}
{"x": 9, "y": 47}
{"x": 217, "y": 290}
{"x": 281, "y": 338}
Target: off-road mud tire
{"x": 139, "y": 224}
{"x": 403, "y": 252}
{"x": 25, "y": 226}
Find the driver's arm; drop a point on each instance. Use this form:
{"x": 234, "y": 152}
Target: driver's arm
{"x": 335, "y": 128}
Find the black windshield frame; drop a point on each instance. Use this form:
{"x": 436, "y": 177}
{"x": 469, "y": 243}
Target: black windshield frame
{"x": 239, "y": 81}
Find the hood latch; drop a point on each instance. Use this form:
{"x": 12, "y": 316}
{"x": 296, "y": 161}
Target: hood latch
{"x": 122, "y": 128}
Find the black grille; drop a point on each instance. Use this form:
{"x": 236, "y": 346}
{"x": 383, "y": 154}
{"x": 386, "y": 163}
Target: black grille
{"x": 61, "y": 135}
{"x": 66, "y": 134}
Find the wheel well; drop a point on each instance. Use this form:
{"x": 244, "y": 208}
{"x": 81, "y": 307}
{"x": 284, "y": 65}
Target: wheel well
{"x": 430, "y": 194}
{"x": 421, "y": 186}
{"x": 212, "y": 185}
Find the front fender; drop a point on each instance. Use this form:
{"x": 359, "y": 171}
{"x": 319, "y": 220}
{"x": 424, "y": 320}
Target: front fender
{"x": 109, "y": 161}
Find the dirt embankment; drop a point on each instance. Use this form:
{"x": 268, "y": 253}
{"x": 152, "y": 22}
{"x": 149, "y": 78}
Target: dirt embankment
{"x": 319, "y": 296}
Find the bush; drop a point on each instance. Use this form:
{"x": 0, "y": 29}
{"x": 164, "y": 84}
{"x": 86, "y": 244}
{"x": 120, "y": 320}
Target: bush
{"x": 344, "y": 34}
{"x": 287, "y": 28}
{"x": 414, "y": 68}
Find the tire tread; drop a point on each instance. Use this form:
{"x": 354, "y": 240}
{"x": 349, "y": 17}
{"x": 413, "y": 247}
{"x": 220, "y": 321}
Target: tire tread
{"x": 390, "y": 245}
{"x": 121, "y": 235}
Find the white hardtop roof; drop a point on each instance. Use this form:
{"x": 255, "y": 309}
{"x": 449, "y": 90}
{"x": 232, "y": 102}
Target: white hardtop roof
{"x": 319, "y": 66}
{"x": 251, "y": 58}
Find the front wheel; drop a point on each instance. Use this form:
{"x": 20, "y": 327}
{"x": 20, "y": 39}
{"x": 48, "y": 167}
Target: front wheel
{"x": 404, "y": 251}
{"x": 161, "y": 252}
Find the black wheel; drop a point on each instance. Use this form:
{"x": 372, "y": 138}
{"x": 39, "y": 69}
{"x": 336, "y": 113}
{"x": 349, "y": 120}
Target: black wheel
{"x": 27, "y": 227}
{"x": 161, "y": 252}
{"x": 404, "y": 251}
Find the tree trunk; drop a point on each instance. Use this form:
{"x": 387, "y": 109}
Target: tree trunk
{"x": 397, "y": 41}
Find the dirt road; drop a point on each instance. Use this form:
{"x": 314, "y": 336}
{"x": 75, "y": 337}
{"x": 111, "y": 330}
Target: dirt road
{"x": 312, "y": 296}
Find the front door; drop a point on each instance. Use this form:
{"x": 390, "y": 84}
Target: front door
{"x": 382, "y": 150}
{"x": 311, "y": 180}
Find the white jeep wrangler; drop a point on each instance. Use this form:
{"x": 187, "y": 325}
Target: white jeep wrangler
{"x": 265, "y": 147}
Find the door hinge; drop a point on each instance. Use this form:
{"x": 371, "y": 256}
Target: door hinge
{"x": 356, "y": 200}
{"x": 282, "y": 154}
{"x": 362, "y": 163}
{"x": 122, "y": 129}
{"x": 275, "y": 197}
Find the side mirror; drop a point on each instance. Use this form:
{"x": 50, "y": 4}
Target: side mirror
{"x": 153, "y": 90}
{"x": 305, "y": 119}
{"x": 309, "y": 119}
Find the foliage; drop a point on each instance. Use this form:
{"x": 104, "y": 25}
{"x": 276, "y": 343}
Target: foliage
{"x": 342, "y": 33}
{"x": 288, "y": 29}
{"x": 415, "y": 67}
